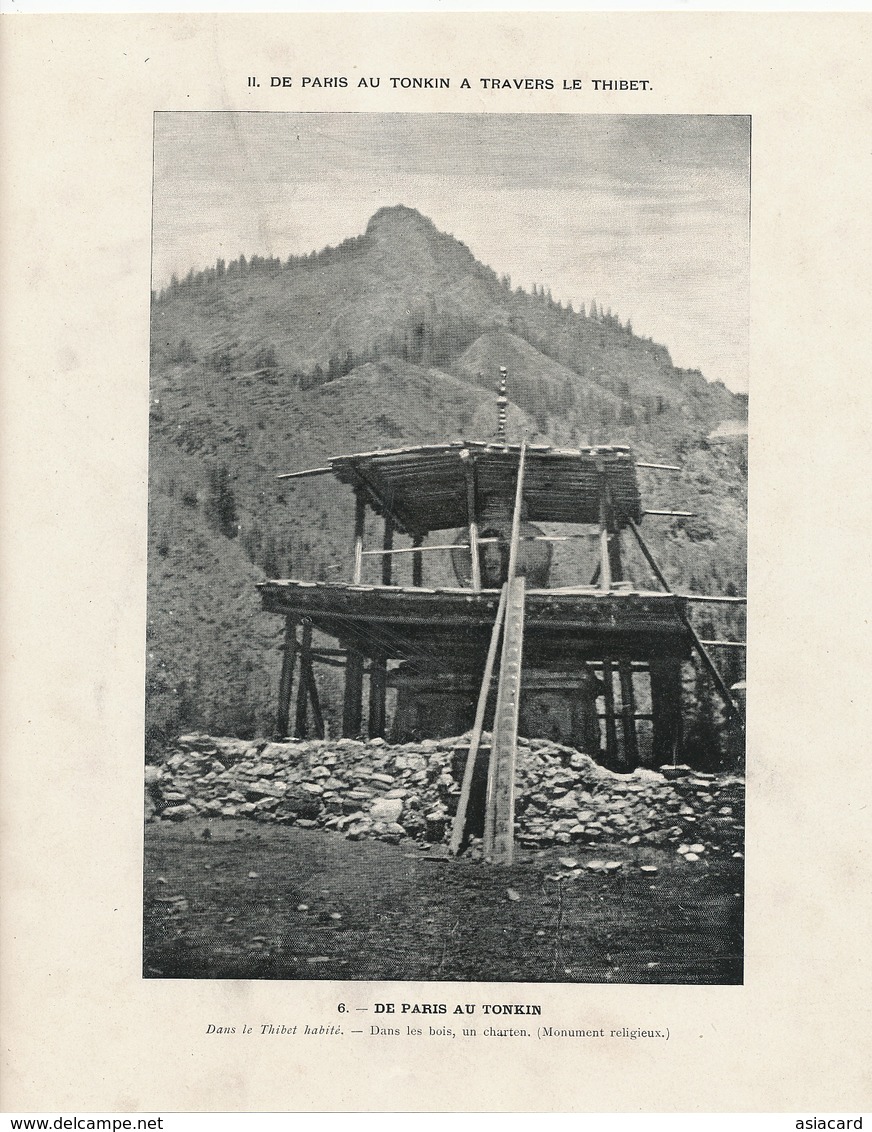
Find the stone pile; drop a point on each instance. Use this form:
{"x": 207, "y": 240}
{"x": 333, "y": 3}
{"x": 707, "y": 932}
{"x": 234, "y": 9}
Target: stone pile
{"x": 372, "y": 789}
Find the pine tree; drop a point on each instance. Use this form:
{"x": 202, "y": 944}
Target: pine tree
{"x": 220, "y": 505}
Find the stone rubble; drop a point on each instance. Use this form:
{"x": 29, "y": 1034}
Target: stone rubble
{"x": 375, "y": 790}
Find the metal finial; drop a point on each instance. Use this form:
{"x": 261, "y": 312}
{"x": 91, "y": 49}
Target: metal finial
{"x": 502, "y": 403}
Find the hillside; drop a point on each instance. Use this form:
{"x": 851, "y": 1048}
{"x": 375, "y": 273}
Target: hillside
{"x": 262, "y": 366}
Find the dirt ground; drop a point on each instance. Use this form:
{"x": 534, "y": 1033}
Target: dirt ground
{"x": 264, "y": 902}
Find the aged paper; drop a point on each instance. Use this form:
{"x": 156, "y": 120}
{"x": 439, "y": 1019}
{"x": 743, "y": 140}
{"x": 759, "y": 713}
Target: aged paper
{"x": 84, "y": 1030}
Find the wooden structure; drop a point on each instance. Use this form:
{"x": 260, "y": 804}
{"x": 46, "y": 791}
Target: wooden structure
{"x": 602, "y": 655}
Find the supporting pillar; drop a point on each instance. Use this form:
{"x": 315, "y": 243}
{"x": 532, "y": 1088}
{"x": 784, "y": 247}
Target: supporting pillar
{"x": 300, "y": 723}
{"x": 666, "y": 710}
{"x": 615, "y": 564}
{"x": 417, "y": 562}
{"x": 628, "y": 715}
{"x": 359, "y": 519}
{"x": 378, "y": 675}
{"x": 387, "y": 559}
{"x": 472, "y": 518}
{"x": 352, "y": 708}
{"x": 286, "y": 680}
{"x": 609, "y": 696}
{"x": 605, "y": 570}
{"x": 314, "y": 699}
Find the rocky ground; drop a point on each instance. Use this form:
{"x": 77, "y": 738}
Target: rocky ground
{"x": 366, "y": 790}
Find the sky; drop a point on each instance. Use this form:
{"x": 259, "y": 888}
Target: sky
{"x": 646, "y": 214}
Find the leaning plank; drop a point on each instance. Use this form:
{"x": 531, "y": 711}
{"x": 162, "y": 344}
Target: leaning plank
{"x": 459, "y": 826}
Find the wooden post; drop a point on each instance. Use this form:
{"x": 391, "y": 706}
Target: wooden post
{"x": 387, "y": 559}
{"x": 666, "y": 710}
{"x": 472, "y": 517}
{"x": 499, "y": 825}
{"x": 417, "y": 562}
{"x": 314, "y": 699}
{"x": 459, "y": 827}
{"x": 300, "y": 725}
{"x": 628, "y": 715}
{"x": 611, "y": 730}
{"x": 378, "y": 676}
{"x": 359, "y": 519}
{"x": 352, "y": 708}
{"x": 286, "y": 680}
{"x": 605, "y": 572}
{"x": 614, "y": 539}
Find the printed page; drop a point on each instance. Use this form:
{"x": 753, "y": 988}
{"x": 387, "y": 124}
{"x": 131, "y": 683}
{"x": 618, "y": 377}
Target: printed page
{"x": 509, "y": 301}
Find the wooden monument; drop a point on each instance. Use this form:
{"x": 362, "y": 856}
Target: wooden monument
{"x": 593, "y": 648}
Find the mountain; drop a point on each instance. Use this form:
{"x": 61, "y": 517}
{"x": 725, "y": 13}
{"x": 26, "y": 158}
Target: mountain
{"x": 262, "y": 366}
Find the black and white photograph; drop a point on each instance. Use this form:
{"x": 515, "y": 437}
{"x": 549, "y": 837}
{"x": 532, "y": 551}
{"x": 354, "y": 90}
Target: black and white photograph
{"x": 447, "y": 560}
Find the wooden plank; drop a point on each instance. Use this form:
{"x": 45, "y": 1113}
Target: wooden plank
{"x": 459, "y": 827}
{"x": 286, "y": 680}
{"x": 605, "y": 573}
{"x": 499, "y": 831}
{"x": 359, "y": 522}
{"x": 387, "y": 546}
{"x": 499, "y": 840}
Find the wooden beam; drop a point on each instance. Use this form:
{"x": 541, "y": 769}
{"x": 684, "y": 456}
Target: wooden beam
{"x": 286, "y": 680}
{"x": 516, "y": 514}
{"x": 422, "y": 549}
{"x": 609, "y": 696}
{"x": 387, "y": 546}
{"x": 417, "y": 561}
{"x": 605, "y": 573}
{"x": 459, "y": 827}
{"x": 302, "y": 475}
{"x": 660, "y": 467}
{"x": 359, "y": 522}
{"x": 499, "y": 826}
{"x": 472, "y": 516}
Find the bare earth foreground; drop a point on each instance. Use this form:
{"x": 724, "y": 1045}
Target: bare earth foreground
{"x": 267, "y": 902}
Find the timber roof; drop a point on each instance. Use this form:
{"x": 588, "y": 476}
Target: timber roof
{"x": 424, "y": 488}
